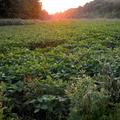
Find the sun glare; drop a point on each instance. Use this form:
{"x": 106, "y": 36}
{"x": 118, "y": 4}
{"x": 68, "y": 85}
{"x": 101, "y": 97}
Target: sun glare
{"x": 53, "y": 6}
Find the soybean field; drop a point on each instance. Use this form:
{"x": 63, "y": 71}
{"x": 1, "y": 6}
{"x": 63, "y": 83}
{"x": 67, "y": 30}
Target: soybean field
{"x": 60, "y": 70}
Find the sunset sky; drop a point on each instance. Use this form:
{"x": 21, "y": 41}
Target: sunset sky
{"x": 53, "y": 6}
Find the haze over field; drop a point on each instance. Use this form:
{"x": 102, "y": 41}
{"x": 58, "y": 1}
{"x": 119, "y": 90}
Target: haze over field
{"x": 53, "y": 6}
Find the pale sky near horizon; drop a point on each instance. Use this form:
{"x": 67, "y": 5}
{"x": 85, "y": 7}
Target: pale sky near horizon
{"x": 53, "y": 6}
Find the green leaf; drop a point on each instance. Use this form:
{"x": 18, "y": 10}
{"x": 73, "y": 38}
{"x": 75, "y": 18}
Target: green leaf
{"x": 40, "y": 99}
{"x": 51, "y": 97}
{"x": 44, "y": 107}
{"x": 61, "y": 99}
{"x": 36, "y": 110}
{"x": 45, "y": 97}
{"x": 33, "y": 101}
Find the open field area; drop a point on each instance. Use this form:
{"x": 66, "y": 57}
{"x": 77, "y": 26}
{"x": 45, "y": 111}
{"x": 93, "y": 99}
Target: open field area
{"x": 59, "y": 70}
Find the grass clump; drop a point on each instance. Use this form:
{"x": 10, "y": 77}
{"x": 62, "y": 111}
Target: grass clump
{"x": 5, "y": 22}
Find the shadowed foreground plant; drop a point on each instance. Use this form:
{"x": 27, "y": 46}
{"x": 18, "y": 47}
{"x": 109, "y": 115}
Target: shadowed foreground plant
{"x": 35, "y": 99}
{"x": 95, "y": 98}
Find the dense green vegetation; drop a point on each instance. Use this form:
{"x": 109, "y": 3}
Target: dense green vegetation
{"x": 95, "y": 9}
{"x": 25, "y": 9}
{"x": 8, "y": 22}
{"x": 60, "y": 70}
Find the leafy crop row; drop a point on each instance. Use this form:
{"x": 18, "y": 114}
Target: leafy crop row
{"x": 38, "y": 61}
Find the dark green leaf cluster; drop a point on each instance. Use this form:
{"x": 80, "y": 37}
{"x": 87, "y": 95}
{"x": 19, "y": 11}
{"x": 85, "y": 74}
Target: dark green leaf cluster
{"x": 24, "y": 9}
{"x": 37, "y": 99}
{"x": 95, "y": 99}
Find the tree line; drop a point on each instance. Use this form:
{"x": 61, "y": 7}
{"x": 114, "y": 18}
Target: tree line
{"x": 94, "y": 9}
{"x": 24, "y": 9}
{"x": 32, "y": 9}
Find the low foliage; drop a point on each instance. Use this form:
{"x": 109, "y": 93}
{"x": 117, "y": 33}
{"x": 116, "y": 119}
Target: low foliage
{"x": 36, "y": 99}
{"x": 39, "y": 62}
{"x": 95, "y": 99}
{"x": 6, "y": 22}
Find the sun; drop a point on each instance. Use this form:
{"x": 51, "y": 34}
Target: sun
{"x": 53, "y": 6}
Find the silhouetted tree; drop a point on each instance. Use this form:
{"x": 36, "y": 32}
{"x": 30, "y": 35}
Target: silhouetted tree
{"x": 20, "y": 9}
{"x": 45, "y": 15}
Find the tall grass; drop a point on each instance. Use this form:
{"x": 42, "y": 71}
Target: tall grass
{"x": 5, "y": 22}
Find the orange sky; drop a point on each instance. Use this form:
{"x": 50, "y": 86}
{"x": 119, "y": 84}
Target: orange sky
{"x": 53, "y": 6}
